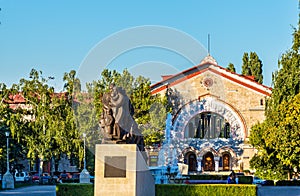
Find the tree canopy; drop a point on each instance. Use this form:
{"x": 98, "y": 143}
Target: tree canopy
{"x": 231, "y": 67}
{"x": 252, "y": 66}
{"x": 277, "y": 138}
{"x": 44, "y": 123}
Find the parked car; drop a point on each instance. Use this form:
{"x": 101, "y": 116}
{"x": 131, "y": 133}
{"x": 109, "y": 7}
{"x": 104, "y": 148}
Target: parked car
{"x": 22, "y": 177}
{"x": 92, "y": 179}
{"x": 45, "y": 178}
{"x": 257, "y": 180}
{"x": 35, "y": 177}
{"x": 55, "y": 179}
{"x": 75, "y": 175}
{"x": 237, "y": 175}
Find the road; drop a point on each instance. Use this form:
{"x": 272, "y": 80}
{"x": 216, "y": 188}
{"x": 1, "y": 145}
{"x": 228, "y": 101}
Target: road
{"x": 43, "y": 190}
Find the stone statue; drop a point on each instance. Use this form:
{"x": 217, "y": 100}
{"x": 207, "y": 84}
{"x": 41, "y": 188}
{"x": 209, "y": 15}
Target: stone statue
{"x": 118, "y": 112}
{"x": 109, "y": 122}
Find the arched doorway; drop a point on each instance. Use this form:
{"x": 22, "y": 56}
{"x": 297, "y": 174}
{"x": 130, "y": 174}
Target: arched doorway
{"x": 191, "y": 161}
{"x": 209, "y": 163}
{"x": 226, "y": 162}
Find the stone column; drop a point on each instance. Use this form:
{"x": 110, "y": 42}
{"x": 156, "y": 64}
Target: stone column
{"x": 199, "y": 161}
{"x": 216, "y": 159}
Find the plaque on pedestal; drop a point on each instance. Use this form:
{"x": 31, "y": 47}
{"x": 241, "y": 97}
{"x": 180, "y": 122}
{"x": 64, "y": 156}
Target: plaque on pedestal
{"x": 120, "y": 169}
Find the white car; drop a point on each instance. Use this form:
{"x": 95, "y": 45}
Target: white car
{"x": 22, "y": 177}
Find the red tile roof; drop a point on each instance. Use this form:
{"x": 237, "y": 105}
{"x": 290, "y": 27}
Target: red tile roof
{"x": 247, "y": 81}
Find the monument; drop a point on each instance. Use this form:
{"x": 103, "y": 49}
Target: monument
{"x": 120, "y": 161}
{"x": 117, "y": 121}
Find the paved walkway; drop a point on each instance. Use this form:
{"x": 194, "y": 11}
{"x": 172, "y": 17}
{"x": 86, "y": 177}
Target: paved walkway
{"x": 278, "y": 191}
{"x": 43, "y": 190}
{"x": 46, "y": 190}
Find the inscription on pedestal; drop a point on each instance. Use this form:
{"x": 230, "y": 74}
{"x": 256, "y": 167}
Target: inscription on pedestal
{"x": 115, "y": 167}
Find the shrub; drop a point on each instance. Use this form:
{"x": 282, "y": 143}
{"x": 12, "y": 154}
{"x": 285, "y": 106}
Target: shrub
{"x": 71, "y": 180}
{"x": 205, "y": 189}
{"x": 73, "y": 189}
{"x": 269, "y": 183}
{"x": 288, "y": 183}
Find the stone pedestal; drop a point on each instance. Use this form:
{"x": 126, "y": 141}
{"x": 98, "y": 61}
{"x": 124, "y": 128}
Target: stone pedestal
{"x": 120, "y": 170}
{"x": 183, "y": 168}
{"x": 84, "y": 176}
{"x": 8, "y": 181}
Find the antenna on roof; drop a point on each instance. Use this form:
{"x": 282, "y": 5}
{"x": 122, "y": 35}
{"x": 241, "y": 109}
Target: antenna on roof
{"x": 208, "y": 44}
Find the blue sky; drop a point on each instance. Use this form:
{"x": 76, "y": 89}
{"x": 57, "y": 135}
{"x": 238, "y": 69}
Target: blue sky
{"x": 57, "y": 36}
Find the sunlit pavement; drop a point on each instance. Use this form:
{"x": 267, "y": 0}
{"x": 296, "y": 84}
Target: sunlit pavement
{"x": 43, "y": 190}
{"x": 278, "y": 191}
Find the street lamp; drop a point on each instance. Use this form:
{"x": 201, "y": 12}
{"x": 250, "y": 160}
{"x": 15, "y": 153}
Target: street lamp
{"x": 8, "y": 179}
{"x": 84, "y": 161}
{"x": 84, "y": 175}
{"x": 7, "y": 143}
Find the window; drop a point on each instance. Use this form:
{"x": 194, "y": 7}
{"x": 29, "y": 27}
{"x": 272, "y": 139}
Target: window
{"x": 261, "y": 102}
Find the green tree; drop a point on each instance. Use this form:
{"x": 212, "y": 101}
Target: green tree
{"x": 142, "y": 100}
{"x": 87, "y": 123}
{"x": 265, "y": 161}
{"x": 256, "y": 67}
{"x": 246, "y": 68}
{"x": 46, "y": 124}
{"x": 231, "y": 67}
{"x": 288, "y": 146}
{"x": 4, "y": 114}
{"x": 277, "y": 138}
{"x": 252, "y": 66}
{"x": 17, "y": 149}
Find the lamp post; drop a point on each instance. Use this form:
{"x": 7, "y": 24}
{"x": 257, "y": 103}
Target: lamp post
{"x": 7, "y": 150}
{"x": 8, "y": 179}
{"x": 84, "y": 161}
{"x": 84, "y": 175}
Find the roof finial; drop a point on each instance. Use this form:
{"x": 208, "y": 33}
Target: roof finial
{"x": 208, "y": 44}
{"x": 208, "y": 58}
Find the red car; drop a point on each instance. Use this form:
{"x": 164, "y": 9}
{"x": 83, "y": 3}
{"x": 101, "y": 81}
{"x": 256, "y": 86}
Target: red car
{"x": 35, "y": 178}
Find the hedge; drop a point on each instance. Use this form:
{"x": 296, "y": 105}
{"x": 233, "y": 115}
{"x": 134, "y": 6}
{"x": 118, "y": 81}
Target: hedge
{"x": 73, "y": 189}
{"x": 288, "y": 183}
{"x": 269, "y": 183}
{"x": 205, "y": 189}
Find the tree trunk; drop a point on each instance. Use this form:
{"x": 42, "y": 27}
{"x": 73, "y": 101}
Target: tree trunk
{"x": 41, "y": 165}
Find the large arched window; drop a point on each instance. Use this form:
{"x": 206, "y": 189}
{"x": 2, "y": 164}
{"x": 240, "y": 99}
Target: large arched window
{"x": 207, "y": 125}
